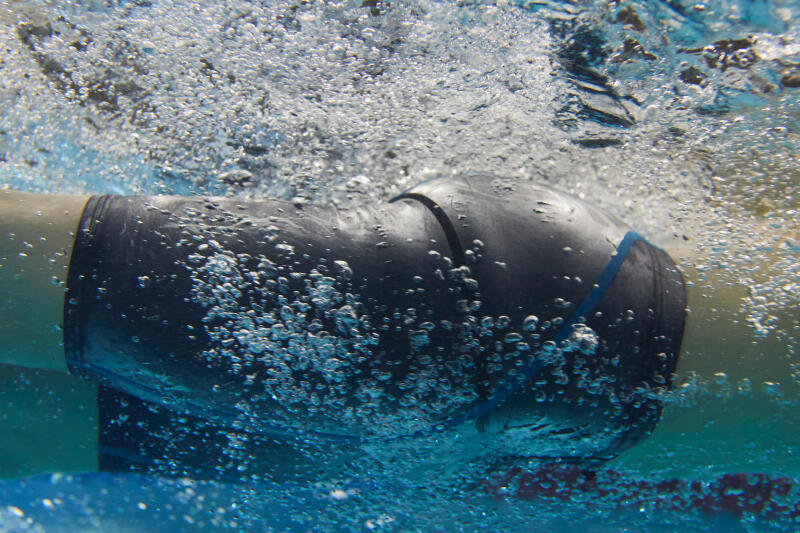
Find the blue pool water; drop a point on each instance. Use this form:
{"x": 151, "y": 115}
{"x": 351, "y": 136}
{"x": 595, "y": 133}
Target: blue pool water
{"x": 680, "y": 117}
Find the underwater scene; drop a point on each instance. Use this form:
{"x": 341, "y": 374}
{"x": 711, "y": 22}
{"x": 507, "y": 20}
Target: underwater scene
{"x": 404, "y": 265}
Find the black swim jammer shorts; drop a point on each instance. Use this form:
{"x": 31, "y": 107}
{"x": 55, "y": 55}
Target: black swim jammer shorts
{"x": 504, "y": 307}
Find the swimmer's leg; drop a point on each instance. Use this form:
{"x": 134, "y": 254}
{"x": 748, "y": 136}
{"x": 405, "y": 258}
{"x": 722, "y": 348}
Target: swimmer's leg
{"x": 727, "y": 395}
{"x": 36, "y": 238}
{"x": 49, "y": 419}
{"x": 48, "y": 422}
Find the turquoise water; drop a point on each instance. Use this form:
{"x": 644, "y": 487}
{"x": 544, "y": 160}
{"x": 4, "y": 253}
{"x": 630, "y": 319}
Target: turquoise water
{"x": 681, "y": 118}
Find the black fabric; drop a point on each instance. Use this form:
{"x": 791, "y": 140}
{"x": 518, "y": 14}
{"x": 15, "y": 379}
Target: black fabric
{"x": 136, "y": 321}
{"x": 541, "y": 252}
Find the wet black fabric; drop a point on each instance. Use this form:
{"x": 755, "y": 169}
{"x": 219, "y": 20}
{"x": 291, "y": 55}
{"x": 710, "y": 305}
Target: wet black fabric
{"x": 132, "y": 324}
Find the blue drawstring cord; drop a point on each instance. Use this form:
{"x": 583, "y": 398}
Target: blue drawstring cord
{"x": 582, "y": 312}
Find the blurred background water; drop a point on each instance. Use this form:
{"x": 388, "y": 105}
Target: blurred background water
{"x": 680, "y": 117}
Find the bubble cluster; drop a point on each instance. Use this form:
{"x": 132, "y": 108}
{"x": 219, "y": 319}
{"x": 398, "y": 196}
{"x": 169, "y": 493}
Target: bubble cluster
{"x": 314, "y": 353}
{"x": 304, "y": 361}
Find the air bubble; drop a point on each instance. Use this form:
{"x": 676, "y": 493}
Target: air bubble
{"x": 772, "y": 389}
{"x": 582, "y": 339}
{"x": 744, "y": 386}
{"x": 561, "y": 303}
{"x": 530, "y": 323}
{"x": 418, "y": 339}
{"x": 346, "y": 319}
{"x": 343, "y": 269}
{"x": 502, "y": 322}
